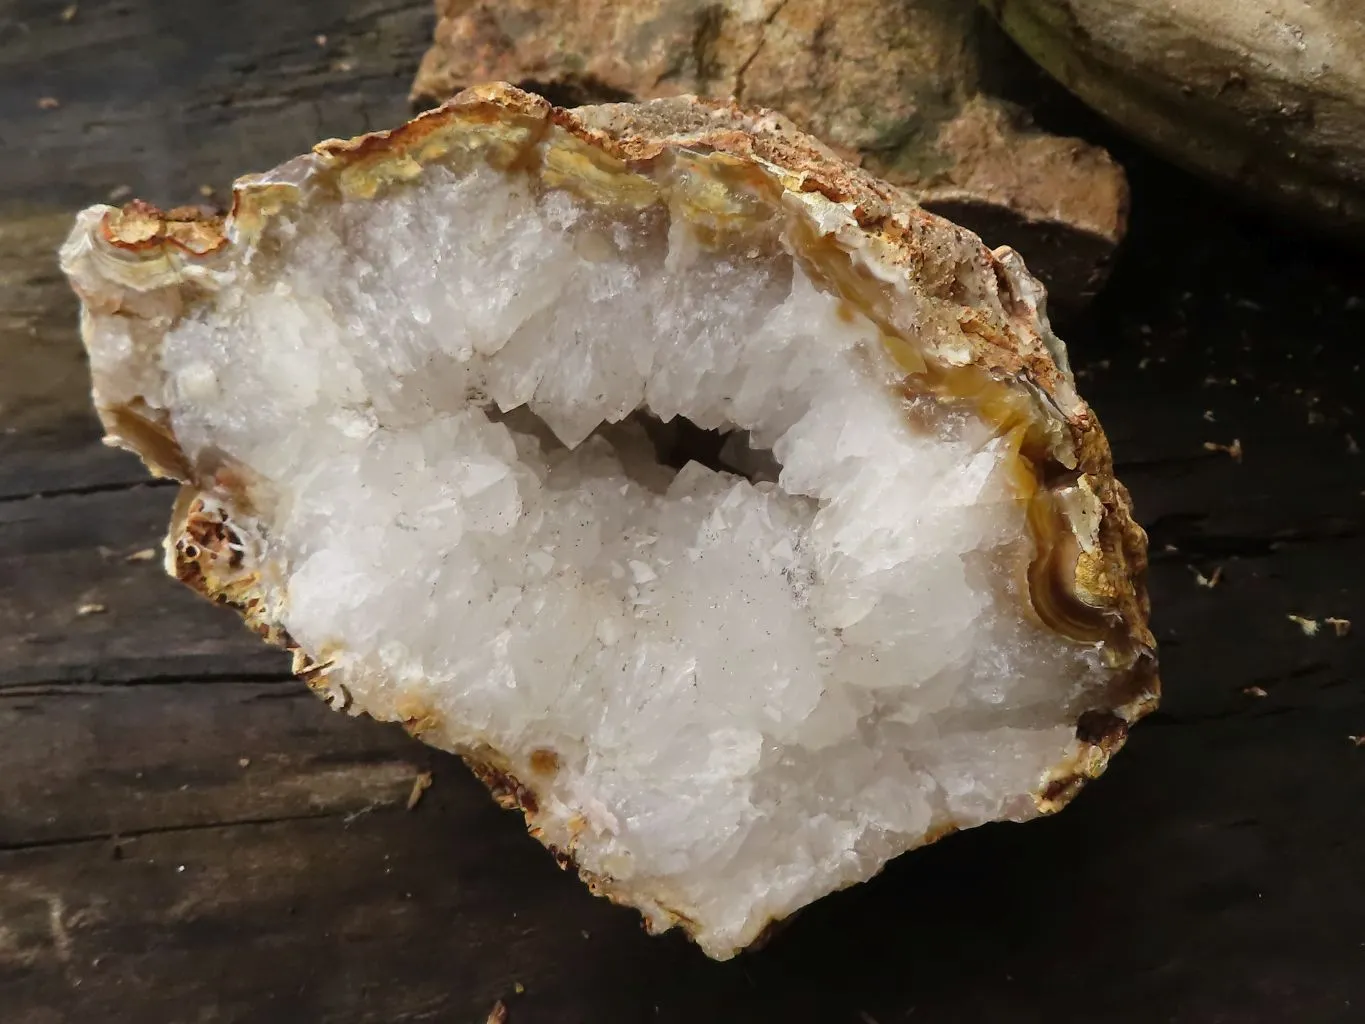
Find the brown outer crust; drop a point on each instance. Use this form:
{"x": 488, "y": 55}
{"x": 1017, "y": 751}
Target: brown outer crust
{"x": 1014, "y": 352}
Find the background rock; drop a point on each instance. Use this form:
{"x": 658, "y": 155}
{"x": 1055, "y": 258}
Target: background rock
{"x": 897, "y": 87}
{"x": 1267, "y": 96}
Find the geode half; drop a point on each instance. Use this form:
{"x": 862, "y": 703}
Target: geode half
{"x": 732, "y": 516}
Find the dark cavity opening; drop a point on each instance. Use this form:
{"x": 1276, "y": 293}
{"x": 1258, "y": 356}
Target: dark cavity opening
{"x": 652, "y": 450}
{"x": 680, "y": 441}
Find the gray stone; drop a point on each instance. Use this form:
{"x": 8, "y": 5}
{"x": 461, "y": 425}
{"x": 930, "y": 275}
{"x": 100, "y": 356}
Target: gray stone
{"x": 1268, "y": 97}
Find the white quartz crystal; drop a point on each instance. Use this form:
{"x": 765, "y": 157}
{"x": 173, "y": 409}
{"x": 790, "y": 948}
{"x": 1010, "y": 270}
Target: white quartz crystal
{"x": 754, "y": 688}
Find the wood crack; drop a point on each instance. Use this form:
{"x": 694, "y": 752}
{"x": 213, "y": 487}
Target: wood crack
{"x": 100, "y": 488}
{"x": 69, "y": 688}
{"x": 60, "y": 842}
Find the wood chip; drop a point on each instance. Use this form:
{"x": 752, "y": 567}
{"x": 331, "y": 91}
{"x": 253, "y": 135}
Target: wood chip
{"x": 1341, "y": 627}
{"x": 145, "y": 555}
{"x": 91, "y": 608}
{"x": 419, "y": 786}
{"x": 1255, "y": 691}
{"x": 320, "y": 39}
{"x": 119, "y": 192}
{"x": 206, "y": 191}
{"x": 48, "y": 103}
{"x": 1211, "y": 580}
{"x": 243, "y": 762}
{"x": 69, "y": 12}
{"x": 1208, "y": 416}
{"x": 1309, "y": 626}
{"x": 1234, "y": 449}
{"x": 1359, "y": 741}
{"x": 1352, "y": 446}
{"x": 343, "y": 66}
{"x": 497, "y": 1015}
{"x": 518, "y": 988}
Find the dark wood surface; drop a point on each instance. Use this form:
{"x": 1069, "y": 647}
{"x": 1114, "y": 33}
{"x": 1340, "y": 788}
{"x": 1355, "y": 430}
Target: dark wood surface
{"x": 187, "y": 836}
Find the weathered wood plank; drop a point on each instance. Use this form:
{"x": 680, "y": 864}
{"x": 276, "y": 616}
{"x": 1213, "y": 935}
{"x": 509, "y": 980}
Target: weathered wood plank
{"x": 85, "y": 762}
{"x": 206, "y": 925}
{"x": 45, "y": 384}
{"x": 1178, "y": 890}
{"x": 167, "y": 97}
{"x": 83, "y": 597}
{"x": 32, "y": 466}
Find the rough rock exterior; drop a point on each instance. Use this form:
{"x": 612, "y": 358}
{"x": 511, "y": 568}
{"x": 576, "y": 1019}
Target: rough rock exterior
{"x": 895, "y": 86}
{"x": 401, "y": 383}
{"x": 1269, "y": 96}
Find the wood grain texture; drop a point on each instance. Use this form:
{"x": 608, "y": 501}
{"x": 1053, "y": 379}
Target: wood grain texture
{"x": 1213, "y": 875}
{"x": 82, "y": 601}
{"x": 94, "y": 762}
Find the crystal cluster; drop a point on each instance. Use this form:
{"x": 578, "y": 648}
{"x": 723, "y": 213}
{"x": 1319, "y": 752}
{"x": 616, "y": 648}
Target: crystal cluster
{"x": 588, "y": 445}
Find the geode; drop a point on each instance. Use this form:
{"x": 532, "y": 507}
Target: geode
{"x": 732, "y": 516}
{"x": 918, "y": 92}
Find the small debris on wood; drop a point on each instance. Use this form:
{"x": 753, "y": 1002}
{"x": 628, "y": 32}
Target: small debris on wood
{"x": 320, "y": 39}
{"x": 356, "y": 815}
{"x": 48, "y": 103}
{"x": 518, "y": 988}
{"x": 1309, "y": 626}
{"x": 1144, "y": 362}
{"x": 1255, "y": 691}
{"x": 1234, "y": 449}
{"x": 1211, "y": 580}
{"x": 1208, "y": 416}
{"x": 1341, "y": 627}
{"x": 91, "y": 608}
{"x": 498, "y": 1015}
{"x": 343, "y": 66}
{"x": 145, "y": 555}
{"x": 243, "y": 762}
{"x": 206, "y": 191}
{"x": 69, "y": 12}
{"x": 419, "y": 786}
{"x": 119, "y": 192}
{"x": 1352, "y": 445}
{"x": 1358, "y": 741}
